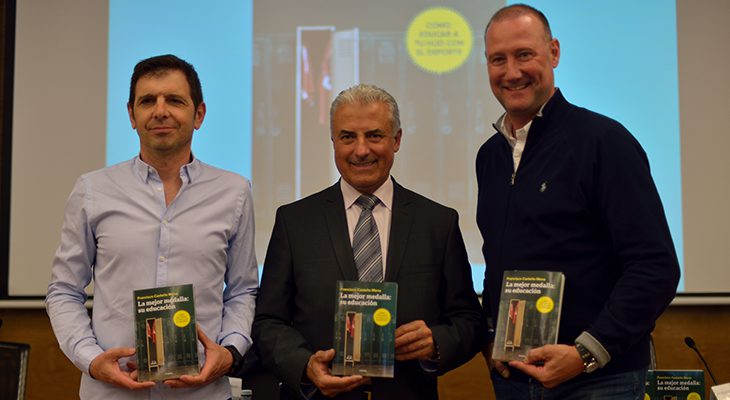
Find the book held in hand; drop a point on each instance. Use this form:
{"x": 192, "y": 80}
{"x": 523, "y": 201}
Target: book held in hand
{"x": 666, "y": 384}
{"x": 529, "y": 313}
{"x": 166, "y": 338}
{"x": 364, "y": 336}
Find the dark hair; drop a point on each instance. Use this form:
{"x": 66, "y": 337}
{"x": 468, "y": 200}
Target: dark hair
{"x": 160, "y": 65}
{"x": 516, "y": 10}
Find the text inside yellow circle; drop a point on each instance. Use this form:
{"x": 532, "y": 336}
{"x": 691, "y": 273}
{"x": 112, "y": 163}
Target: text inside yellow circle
{"x": 439, "y": 40}
{"x": 544, "y": 304}
{"x": 181, "y": 319}
{"x": 694, "y": 396}
{"x": 381, "y": 317}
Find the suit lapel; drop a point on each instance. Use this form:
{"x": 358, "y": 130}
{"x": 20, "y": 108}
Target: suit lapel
{"x": 334, "y": 211}
{"x": 400, "y": 228}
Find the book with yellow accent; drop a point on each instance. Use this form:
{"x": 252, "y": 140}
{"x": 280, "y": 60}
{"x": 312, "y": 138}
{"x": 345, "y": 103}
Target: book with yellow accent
{"x": 529, "y": 313}
{"x": 675, "y": 384}
{"x": 364, "y": 333}
{"x": 166, "y": 338}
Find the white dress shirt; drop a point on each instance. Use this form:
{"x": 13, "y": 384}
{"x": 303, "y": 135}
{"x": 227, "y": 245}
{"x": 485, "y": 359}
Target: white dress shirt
{"x": 382, "y": 212}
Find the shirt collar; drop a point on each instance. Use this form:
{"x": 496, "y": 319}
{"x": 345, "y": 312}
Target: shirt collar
{"x": 189, "y": 171}
{"x": 384, "y": 193}
{"x": 506, "y": 131}
{"x": 520, "y": 134}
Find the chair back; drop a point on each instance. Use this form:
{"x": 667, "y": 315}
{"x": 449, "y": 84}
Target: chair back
{"x": 13, "y": 370}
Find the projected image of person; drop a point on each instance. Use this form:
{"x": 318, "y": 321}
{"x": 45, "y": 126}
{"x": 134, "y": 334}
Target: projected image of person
{"x": 410, "y": 240}
{"x": 565, "y": 189}
{"x": 163, "y": 218}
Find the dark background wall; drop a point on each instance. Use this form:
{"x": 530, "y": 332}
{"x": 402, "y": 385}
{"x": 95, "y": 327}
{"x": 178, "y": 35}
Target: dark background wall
{"x": 7, "y": 37}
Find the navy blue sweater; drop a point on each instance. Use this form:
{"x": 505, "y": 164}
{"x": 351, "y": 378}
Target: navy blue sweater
{"x": 582, "y": 202}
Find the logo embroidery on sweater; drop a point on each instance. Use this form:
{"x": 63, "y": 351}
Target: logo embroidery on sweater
{"x": 543, "y": 187}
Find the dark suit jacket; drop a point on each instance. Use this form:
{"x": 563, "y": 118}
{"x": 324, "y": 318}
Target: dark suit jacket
{"x": 310, "y": 250}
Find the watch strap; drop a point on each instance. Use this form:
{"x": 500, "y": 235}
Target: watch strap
{"x": 590, "y": 363}
{"x": 237, "y": 359}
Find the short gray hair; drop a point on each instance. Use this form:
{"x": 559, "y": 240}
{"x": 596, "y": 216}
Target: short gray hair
{"x": 365, "y": 94}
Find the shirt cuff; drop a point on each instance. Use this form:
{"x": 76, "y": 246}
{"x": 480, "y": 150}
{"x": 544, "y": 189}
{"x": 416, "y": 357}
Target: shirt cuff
{"x": 430, "y": 366}
{"x": 308, "y": 390}
{"x": 490, "y": 330}
{"x": 85, "y": 355}
{"x": 240, "y": 342}
{"x": 599, "y": 352}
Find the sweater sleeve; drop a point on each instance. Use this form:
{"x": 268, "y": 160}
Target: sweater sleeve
{"x": 632, "y": 212}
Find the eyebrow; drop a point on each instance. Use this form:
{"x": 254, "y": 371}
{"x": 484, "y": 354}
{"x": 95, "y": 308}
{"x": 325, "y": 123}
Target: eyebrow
{"x": 165, "y": 95}
{"x": 345, "y": 131}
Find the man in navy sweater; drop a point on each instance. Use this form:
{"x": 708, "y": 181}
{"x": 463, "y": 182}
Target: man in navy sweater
{"x": 562, "y": 188}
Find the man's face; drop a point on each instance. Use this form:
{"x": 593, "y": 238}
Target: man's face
{"x": 520, "y": 62}
{"x": 364, "y": 144}
{"x": 163, "y": 113}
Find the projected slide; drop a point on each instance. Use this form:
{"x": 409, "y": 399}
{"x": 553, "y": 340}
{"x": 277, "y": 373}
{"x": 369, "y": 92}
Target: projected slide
{"x": 269, "y": 77}
{"x": 429, "y": 58}
{"x": 216, "y": 39}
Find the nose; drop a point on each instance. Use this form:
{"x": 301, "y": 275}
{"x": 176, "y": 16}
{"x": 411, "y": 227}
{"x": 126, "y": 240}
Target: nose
{"x": 362, "y": 147}
{"x": 512, "y": 69}
{"x": 160, "y": 110}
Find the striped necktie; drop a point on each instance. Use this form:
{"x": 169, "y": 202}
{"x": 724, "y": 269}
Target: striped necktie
{"x": 366, "y": 242}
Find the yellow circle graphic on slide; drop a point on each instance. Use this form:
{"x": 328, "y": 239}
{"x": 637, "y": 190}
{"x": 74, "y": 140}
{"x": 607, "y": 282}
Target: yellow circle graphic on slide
{"x": 646, "y": 397}
{"x": 694, "y": 396}
{"x": 439, "y": 40}
{"x": 544, "y": 304}
{"x": 381, "y": 317}
{"x": 181, "y": 319}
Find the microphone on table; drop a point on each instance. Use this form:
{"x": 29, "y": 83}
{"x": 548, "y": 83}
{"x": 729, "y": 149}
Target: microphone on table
{"x": 692, "y": 345}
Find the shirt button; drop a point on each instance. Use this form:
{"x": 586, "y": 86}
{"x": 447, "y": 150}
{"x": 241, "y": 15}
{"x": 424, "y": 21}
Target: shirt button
{"x": 164, "y": 222}
{"x": 159, "y": 189}
{"x": 162, "y": 258}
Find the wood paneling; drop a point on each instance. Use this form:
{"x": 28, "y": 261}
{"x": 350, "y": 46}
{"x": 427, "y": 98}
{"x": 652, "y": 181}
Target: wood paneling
{"x": 51, "y": 375}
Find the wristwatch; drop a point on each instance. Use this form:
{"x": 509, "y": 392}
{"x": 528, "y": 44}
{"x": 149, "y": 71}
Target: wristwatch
{"x": 237, "y": 358}
{"x": 589, "y": 361}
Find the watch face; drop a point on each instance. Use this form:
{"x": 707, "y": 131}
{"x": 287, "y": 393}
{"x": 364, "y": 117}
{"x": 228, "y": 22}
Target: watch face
{"x": 589, "y": 362}
{"x": 591, "y": 366}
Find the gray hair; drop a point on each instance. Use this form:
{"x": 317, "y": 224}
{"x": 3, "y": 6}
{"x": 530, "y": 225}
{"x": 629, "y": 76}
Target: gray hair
{"x": 364, "y": 94}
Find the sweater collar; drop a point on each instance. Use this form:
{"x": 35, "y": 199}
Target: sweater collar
{"x": 547, "y": 112}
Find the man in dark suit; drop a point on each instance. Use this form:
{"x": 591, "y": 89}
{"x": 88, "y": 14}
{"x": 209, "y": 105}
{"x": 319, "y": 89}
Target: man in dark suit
{"x": 439, "y": 323}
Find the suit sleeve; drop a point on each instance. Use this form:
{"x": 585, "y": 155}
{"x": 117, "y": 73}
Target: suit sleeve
{"x": 461, "y": 332}
{"x": 282, "y": 349}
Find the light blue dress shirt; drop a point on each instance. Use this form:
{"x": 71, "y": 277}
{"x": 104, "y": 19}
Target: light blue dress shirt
{"x": 118, "y": 233}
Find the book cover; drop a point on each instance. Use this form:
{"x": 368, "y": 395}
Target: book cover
{"x": 364, "y": 336}
{"x": 529, "y": 313}
{"x": 166, "y": 338}
{"x": 665, "y": 384}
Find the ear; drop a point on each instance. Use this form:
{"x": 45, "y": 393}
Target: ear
{"x": 554, "y": 52}
{"x": 199, "y": 115}
{"x": 130, "y": 111}
{"x": 398, "y": 136}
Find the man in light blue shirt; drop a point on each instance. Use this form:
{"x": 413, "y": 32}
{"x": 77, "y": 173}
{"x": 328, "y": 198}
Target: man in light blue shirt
{"x": 163, "y": 218}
